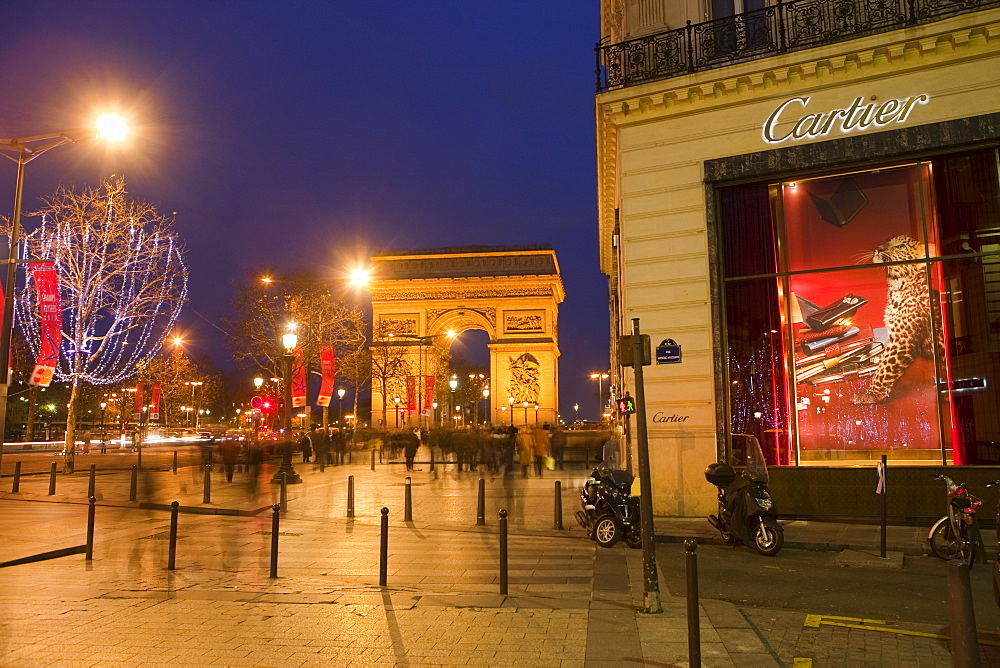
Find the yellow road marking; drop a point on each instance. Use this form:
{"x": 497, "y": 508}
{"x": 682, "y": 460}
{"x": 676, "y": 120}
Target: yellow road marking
{"x": 800, "y": 662}
{"x": 815, "y": 621}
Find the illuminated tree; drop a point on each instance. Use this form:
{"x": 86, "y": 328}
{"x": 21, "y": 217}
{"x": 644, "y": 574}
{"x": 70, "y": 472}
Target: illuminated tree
{"x": 175, "y": 371}
{"x": 122, "y": 282}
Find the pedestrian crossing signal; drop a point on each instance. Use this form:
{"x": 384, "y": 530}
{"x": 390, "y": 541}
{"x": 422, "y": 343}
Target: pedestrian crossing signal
{"x": 626, "y": 405}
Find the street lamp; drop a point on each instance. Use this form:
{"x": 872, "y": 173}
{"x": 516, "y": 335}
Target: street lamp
{"x": 25, "y": 149}
{"x": 510, "y": 400}
{"x": 525, "y": 412}
{"x": 434, "y": 405}
{"x": 486, "y": 401}
{"x": 104, "y": 437}
{"x": 453, "y": 384}
{"x": 396, "y": 401}
{"x": 194, "y": 406}
{"x": 599, "y": 377}
{"x": 289, "y": 340}
{"x": 340, "y": 411}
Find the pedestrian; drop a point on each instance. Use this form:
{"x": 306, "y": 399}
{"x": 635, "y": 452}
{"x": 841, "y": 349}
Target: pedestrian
{"x": 609, "y": 454}
{"x": 525, "y": 449}
{"x": 322, "y": 445}
{"x": 411, "y": 443}
{"x": 86, "y": 442}
{"x": 230, "y": 454}
{"x": 558, "y": 442}
{"x": 305, "y": 445}
{"x": 540, "y": 446}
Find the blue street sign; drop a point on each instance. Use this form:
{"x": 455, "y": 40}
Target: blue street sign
{"x": 668, "y": 352}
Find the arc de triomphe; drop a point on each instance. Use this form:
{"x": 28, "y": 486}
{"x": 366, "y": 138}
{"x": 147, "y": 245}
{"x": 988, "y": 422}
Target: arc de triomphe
{"x": 421, "y": 298}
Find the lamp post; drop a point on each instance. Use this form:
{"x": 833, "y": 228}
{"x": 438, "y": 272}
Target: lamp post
{"x": 576, "y": 412}
{"x": 340, "y": 411}
{"x": 395, "y": 400}
{"x": 104, "y": 436}
{"x": 289, "y": 340}
{"x": 25, "y": 149}
{"x": 194, "y": 406}
{"x": 525, "y": 404}
{"x": 486, "y": 401}
{"x": 453, "y": 384}
{"x": 434, "y": 404}
{"x": 510, "y": 400}
{"x": 599, "y": 377}
{"x": 536, "y": 415}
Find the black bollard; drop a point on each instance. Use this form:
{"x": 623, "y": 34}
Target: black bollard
{"x": 350, "y": 496}
{"x": 17, "y": 478}
{"x": 373, "y": 460}
{"x": 408, "y": 501}
{"x": 481, "y": 505}
{"x": 962, "y": 616}
{"x": 134, "y": 484}
{"x": 207, "y": 491}
{"x": 90, "y": 527}
{"x": 175, "y": 461}
{"x": 503, "y": 551}
{"x": 274, "y": 539}
{"x": 383, "y": 549}
{"x": 284, "y": 492}
{"x": 431, "y": 448}
{"x": 91, "y": 487}
{"x": 557, "y": 508}
{"x": 693, "y": 621}
{"x": 172, "y": 554}
{"x": 52, "y": 479}
{"x": 138, "y": 456}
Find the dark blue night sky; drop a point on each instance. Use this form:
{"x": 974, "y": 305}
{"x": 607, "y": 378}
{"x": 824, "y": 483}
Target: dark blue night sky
{"x": 310, "y": 134}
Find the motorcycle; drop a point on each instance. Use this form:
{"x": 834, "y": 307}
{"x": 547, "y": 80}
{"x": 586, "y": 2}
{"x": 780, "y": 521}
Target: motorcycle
{"x": 746, "y": 508}
{"x": 954, "y": 536}
{"x": 996, "y": 562}
{"x": 609, "y": 512}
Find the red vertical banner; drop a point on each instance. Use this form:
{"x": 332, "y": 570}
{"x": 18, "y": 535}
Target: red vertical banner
{"x": 154, "y": 402}
{"x": 298, "y": 380}
{"x": 411, "y": 393}
{"x": 140, "y": 398}
{"x": 328, "y": 370}
{"x": 50, "y": 330}
{"x": 428, "y": 394}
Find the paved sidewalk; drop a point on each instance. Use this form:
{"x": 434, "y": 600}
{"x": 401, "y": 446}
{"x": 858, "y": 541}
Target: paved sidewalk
{"x": 569, "y": 602}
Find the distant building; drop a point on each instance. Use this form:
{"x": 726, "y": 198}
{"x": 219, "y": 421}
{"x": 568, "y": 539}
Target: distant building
{"x": 803, "y": 195}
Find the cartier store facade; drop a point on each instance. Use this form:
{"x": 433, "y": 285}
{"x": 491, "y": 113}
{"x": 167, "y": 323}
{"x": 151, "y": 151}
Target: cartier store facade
{"x": 820, "y": 231}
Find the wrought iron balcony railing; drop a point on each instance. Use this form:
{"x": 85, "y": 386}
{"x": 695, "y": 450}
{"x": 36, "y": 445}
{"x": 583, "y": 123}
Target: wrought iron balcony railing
{"x": 780, "y": 28}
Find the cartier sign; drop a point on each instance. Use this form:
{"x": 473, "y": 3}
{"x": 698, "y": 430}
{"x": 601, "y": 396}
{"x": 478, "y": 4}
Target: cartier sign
{"x": 860, "y": 115}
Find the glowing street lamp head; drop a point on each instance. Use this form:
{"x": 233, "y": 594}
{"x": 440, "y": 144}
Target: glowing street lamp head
{"x": 360, "y": 276}
{"x": 111, "y": 127}
{"x": 290, "y": 340}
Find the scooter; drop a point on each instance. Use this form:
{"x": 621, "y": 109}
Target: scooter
{"x": 746, "y": 508}
{"x": 955, "y": 535}
{"x": 608, "y": 511}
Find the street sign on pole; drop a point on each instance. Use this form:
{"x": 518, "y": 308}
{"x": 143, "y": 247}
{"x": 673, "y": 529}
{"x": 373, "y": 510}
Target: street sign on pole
{"x": 650, "y": 581}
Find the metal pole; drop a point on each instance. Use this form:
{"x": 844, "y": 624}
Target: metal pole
{"x": 650, "y": 581}
{"x": 16, "y": 485}
{"x": 350, "y": 496}
{"x": 693, "y": 621}
{"x": 172, "y": 554}
{"x": 275, "y": 519}
{"x": 134, "y": 484}
{"x": 373, "y": 459}
{"x": 962, "y": 616}
{"x": 52, "y": 479}
{"x": 175, "y": 461}
{"x": 885, "y": 503}
{"x": 481, "y": 506}
{"x": 90, "y": 526}
{"x": 408, "y": 500}
{"x": 207, "y": 493}
{"x": 383, "y": 550}
{"x": 557, "y": 508}
{"x": 7, "y": 323}
{"x": 284, "y": 492}
{"x": 91, "y": 486}
{"x": 503, "y": 551}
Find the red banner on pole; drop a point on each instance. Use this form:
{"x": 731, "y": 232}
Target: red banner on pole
{"x": 411, "y": 393}
{"x": 154, "y": 402}
{"x": 50, "y": 313}
{"x": 328, "y": 369}
{"x": 298, "y": 380}
{"x": 428, "y": 394}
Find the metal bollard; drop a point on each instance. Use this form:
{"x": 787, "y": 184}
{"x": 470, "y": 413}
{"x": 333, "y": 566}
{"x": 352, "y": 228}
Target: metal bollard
{"x": 134, "y": 484}
{"x": 90, "y": 527}
{"x": 138, "y": 457}
{"x": 481, "y": 505}
{"x": 383, "y": 550}
{"x": 92, "y": 486}
{"x": 373, "y": 460}
{"x": 408, "y": 500}
{"x": 172, "y": 554}
{"x": 503, "y": 551}
{"x": 962, "y": 616}
{"x": 52, "y": 479}
{"x": 693, "y": 621}
{"x": 206, "y": 496}
{"x": 175, "y": 461}
{"x": 431, "y": 448}
{"x": 274, "y": 539}
{"x": 350, "y": 496}
{"x": 17, "y": 478}
{"x": 284, "y": 492}
{"x": 557, "y": 507}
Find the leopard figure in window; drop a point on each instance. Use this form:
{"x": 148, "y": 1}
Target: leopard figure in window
{"x": 907, "y": 317}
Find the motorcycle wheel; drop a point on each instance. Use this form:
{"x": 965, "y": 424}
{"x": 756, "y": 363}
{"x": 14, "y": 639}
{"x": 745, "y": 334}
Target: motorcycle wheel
{"x": 606, "y": 531}
{"x": 769, "y": 537}
{"x": 633, "y": 538}
{"x": 944, "y": 543}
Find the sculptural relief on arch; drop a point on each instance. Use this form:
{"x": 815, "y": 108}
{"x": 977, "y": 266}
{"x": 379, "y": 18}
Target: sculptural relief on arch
{"x": 421, "y": 298}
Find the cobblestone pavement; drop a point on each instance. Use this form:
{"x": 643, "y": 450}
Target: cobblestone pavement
{"x": 569, "y": 603}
